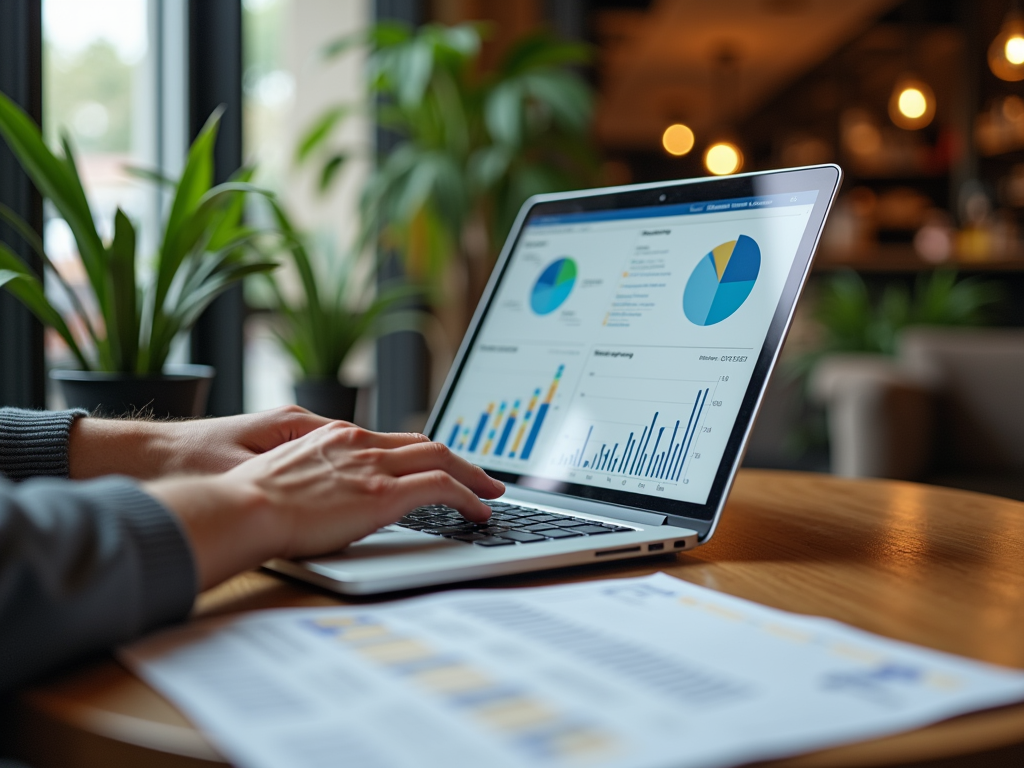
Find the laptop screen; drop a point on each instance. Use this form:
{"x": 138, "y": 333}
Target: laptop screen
{"x": 619, "y": 344}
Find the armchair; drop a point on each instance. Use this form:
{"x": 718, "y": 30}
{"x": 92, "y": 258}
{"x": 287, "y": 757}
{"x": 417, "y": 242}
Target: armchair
{"x": 947, "y": 409}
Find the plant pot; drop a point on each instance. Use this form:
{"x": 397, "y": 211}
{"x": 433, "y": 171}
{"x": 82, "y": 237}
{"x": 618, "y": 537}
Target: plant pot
{"x": 180, "y": 392}
{"x": 327, "y": 397}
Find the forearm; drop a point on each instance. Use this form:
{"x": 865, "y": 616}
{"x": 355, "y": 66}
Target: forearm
{"x": 134, "y": 448}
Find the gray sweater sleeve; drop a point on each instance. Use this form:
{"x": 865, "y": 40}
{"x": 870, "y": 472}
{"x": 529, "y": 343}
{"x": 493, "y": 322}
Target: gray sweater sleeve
{"x": 83, "y": 566}
{"x": 35, "y": 443}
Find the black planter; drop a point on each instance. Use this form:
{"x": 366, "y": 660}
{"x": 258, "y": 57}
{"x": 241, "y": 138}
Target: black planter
{"x": 180, "y": 392}
{"x": 327, "y": 397}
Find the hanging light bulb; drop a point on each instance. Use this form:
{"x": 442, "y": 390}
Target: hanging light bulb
{"x": 912, "y": 104}
{"x": 723, "y": 158}
{"x": 1006, "y": 53}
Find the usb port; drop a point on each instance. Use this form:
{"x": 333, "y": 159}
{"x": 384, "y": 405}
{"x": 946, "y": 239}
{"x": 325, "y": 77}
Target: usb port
{"x": 655, "y": 547}
{"x": 680, "y": 544}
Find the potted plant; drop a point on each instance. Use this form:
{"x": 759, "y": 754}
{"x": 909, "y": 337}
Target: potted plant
{"x": 331, "y": 317}
{"x": 122, "y": 351}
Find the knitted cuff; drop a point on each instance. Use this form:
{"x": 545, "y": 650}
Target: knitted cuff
{"x": 167, "y": 573}
{"x": 35, "y": 443}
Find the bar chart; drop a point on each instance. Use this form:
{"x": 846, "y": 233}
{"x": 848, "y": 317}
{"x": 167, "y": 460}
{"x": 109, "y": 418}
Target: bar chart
{"x": 506, "y": 428}
{"x": 657, "y": 450}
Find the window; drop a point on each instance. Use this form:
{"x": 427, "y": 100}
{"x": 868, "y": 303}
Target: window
{"x": 286, "y": 86}
{"x": 114, "y": 84}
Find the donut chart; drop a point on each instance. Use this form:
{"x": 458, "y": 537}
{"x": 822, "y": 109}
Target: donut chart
{"x": 721, "y": 281}
{"x": 553, "y": 286}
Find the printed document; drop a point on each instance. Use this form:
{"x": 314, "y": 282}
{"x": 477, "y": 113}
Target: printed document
{"x": 639, "y": 673}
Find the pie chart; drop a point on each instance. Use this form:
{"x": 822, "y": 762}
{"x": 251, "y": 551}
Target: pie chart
{"x": 553, "y": 286}
{"x": 721, "y": 281}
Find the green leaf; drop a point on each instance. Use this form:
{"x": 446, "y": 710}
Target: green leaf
{"x": 503, "y": 113}
{"x": 196, "y": 180}
{"x": 330, "y": 171}
{"x": 58, "y": 182}
{"x": 124, "y": 333}
{"x": 151, "y": 175}
{"x": 414, "y": 68}
{"x": 320, "y": 130}
{"x": 16, "y": 278}
{"x": 564, "y": 95}
{"x": 542, "y": 50}
{"x": 36, "y": 244}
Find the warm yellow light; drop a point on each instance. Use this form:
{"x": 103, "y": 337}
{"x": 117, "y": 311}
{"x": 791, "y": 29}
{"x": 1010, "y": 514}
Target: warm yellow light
{"x": 723, "y": 158}
{"x": 1014, "y": 50}
{"x": 912, "y": 103}
{"x": 1006, "y": 52}
{"x": 677, "y": 139}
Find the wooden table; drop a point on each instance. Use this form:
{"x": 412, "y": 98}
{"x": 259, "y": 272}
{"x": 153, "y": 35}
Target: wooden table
{"x": 940, "y": 568}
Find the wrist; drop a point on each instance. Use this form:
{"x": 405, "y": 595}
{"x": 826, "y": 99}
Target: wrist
{"x": 98, "y": 447}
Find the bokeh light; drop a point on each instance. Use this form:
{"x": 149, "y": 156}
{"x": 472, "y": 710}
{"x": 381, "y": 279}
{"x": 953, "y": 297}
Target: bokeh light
{"x": 723, "y": 158}
{"x": 912, "y": 105}
{"x": 677, "y": 139}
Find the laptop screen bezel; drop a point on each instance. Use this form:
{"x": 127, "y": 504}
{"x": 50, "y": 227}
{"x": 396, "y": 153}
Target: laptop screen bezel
{"x": 823, "y": 179}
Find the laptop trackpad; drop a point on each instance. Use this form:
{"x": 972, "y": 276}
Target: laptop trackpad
{"x": 393, "y": 542}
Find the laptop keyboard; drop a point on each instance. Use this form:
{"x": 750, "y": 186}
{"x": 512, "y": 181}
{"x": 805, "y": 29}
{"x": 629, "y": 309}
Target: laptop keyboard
{"x": 509, "y": 525}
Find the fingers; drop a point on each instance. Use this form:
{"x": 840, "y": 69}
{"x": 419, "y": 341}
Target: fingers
{"x": 426, "y": 457}
{"x": 438, "y": 487}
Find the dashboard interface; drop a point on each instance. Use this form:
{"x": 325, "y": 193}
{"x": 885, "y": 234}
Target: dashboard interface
{"x": 619, "y": 344}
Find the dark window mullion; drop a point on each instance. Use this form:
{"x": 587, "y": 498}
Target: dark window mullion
{"x": 22, "y": 367}
{"x": 215, "y": 78}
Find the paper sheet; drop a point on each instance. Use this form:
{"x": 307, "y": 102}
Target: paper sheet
{"x": 626, "y": 673}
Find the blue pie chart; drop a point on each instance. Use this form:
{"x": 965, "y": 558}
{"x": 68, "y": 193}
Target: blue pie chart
{"x": 721, "y": 281}
{"x": 553, "y": 286}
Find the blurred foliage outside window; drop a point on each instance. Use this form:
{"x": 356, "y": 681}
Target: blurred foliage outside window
{"x": 97, "y": 90}
{"x": 469, "y": 146}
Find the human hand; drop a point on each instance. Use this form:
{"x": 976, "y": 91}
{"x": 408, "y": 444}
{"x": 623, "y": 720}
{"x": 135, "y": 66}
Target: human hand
{"x": 317, "y": 494}
{"x": 150, "y": 449}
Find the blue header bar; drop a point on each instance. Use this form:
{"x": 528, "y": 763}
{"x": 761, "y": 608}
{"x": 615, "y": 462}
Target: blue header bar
{"x": 781, "y": 200}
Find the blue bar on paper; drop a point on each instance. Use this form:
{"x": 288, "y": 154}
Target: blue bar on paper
{"x": 612, "y": 459}
{"x": 528, "y": 448}
{"x": 479, "y": 432}
{"x": 504, "y": 436}
{"x": 586, "y": 464}
{"x": 454, "y": 434}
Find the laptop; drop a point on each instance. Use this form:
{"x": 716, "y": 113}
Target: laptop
{"x": 610, "y": 378}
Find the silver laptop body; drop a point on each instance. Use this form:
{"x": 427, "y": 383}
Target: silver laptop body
{"x": 610, "y": 374}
